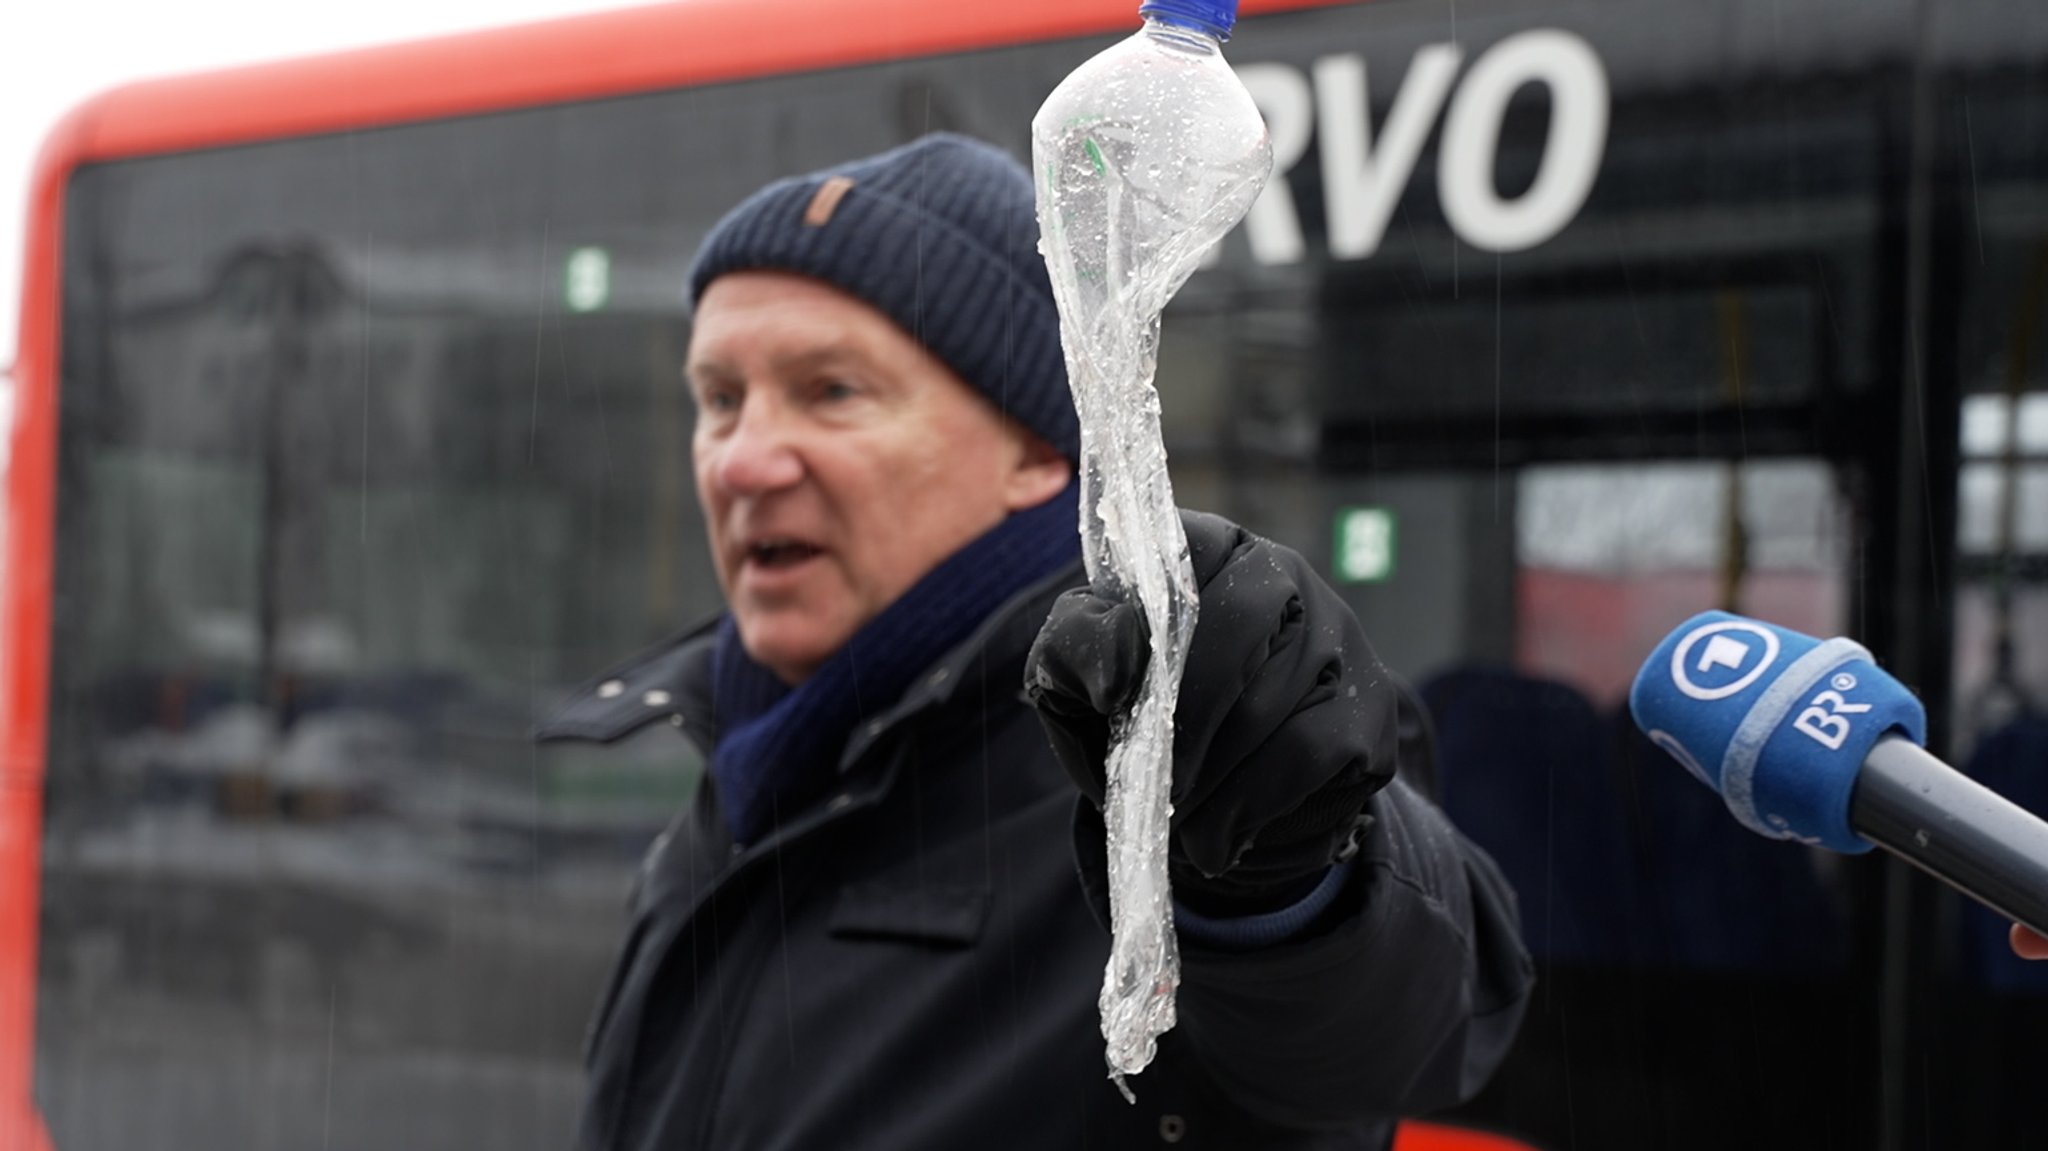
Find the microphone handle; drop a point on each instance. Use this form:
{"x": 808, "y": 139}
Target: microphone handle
{"x": 1955, "y": 829}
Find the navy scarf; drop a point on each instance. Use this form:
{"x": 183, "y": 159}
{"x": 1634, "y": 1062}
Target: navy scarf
{"x": 779, "y": 747}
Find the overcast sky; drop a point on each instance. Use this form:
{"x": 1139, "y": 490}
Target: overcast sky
{"x": 61, "y": 53}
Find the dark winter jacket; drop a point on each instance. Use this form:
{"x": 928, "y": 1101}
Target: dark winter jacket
{"x": 913, "y": 963}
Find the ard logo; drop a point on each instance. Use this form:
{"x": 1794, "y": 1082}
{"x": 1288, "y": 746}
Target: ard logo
{"x": 1718, "y": 660}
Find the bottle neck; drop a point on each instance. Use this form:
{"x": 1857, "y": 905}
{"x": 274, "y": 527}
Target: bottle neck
{"x": 1181, "y": 37}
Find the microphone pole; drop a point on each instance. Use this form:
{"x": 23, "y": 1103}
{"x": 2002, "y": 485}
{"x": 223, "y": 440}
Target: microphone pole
{"x": 1955, "y": 829}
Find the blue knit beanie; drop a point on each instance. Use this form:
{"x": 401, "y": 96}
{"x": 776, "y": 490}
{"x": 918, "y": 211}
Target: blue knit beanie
{"x": 941, "y": 236}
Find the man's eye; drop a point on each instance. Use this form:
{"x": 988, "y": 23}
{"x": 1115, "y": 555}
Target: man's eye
{"x": 835, "y": 390}
{"x": 720, "y": 401}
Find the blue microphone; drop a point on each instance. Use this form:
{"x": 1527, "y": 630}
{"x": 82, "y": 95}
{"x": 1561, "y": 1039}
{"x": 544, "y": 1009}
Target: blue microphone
{"x": 1808, "y": 740}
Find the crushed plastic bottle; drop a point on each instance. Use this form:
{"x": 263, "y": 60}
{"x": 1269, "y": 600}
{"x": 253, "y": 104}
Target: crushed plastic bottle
{"x": 1146, "y": 156}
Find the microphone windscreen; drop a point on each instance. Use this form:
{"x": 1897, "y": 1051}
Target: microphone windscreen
{"x": 1776, "y": 721}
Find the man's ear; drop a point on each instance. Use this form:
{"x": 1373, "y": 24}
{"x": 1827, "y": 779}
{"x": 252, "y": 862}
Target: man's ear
{"x": 1039, "y": 474}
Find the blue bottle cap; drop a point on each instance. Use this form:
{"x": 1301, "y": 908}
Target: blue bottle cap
{"x": 1215, "y": 17}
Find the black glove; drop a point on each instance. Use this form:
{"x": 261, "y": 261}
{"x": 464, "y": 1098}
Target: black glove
{"x": 1286, "y": 724}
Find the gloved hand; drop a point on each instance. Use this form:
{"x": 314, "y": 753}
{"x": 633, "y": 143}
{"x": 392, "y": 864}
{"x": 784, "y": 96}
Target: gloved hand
{"x": 1285, "y": 728}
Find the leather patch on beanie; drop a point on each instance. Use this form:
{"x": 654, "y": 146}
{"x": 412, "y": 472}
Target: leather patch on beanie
{"x": 826, "y": 201}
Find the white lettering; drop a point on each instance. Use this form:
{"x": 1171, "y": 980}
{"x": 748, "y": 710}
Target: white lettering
{"x": 1828, "y": 730}
{"x": 1364, "y": 177}
{"x": 1571, "y": 154}
{"x": 1361, "y": 184}
{"x": 1835, "y": 703}
{"x": 1282, "y": 94}
{"x": 1823, "y": 719}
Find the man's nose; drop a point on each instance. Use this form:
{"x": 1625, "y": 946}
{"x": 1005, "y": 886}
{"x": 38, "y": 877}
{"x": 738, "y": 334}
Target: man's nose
{"x": 760, "y": 454}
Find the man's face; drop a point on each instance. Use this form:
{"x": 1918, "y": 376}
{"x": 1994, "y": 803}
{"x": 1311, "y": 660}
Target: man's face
{"x": 837, "y": 461}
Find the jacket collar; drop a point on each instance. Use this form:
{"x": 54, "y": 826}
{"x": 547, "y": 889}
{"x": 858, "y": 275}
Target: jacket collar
{"x": 672, "y": 681}
{"x": 1001, "y": 640}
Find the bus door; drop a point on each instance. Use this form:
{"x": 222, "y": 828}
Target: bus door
{"x": 1529, "y": 422}
{"x": 1989, "y": 262}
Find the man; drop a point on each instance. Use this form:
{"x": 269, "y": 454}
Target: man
{"x": 880, "y": 925}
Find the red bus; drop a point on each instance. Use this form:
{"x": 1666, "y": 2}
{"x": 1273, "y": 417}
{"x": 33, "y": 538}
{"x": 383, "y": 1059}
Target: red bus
{"x": 348, "y": 439}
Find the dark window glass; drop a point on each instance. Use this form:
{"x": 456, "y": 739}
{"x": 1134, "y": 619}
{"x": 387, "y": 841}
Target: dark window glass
{"x": 1995, "y": 266}
{"x": 374, "y": 445}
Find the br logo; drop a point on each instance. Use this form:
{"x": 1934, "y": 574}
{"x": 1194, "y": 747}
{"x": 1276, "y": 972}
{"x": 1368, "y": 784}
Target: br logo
{"x": 1722, "y": 659}
{"x": 1826, "y": 716}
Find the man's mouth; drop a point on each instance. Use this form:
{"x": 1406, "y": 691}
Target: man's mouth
{"x": 774, "y": 554}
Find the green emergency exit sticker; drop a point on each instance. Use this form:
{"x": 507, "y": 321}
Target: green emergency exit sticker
{"x": 587, "y": 279}
{"x": 1365, "y": 545}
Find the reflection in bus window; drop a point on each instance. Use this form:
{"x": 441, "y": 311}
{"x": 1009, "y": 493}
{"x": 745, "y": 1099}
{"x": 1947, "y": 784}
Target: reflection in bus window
{"x": 1613, "y": 557}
